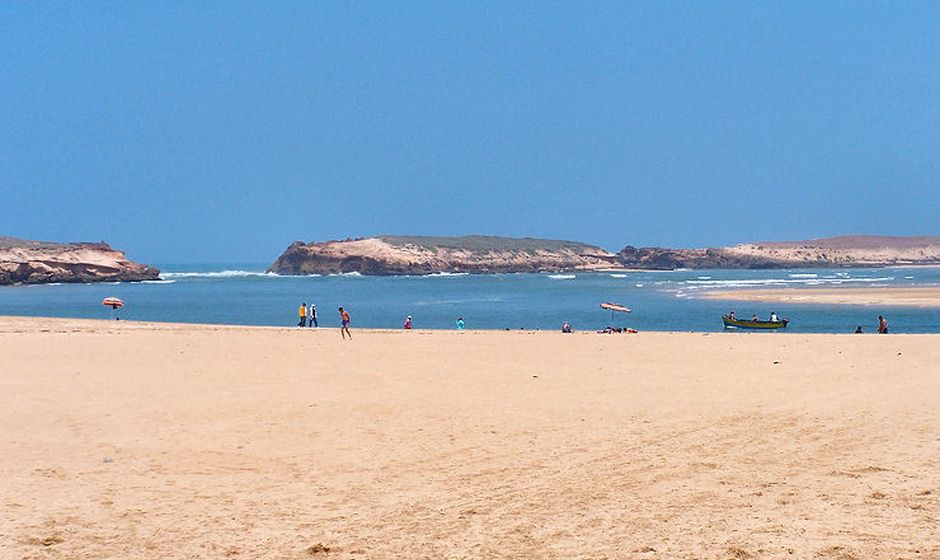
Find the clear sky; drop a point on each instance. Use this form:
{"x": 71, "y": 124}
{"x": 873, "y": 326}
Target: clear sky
{"x": 214, "y": 132}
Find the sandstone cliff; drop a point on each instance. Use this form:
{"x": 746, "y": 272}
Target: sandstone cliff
{"x": 427, "y": 255}
{"x": 845, "y": 251}
{"x": 38, "y": 262}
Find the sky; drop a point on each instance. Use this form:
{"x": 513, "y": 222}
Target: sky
{"x": 188, "y": 132}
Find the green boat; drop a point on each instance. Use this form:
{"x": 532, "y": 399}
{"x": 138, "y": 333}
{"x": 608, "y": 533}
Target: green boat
{"x": 758, "y": 325}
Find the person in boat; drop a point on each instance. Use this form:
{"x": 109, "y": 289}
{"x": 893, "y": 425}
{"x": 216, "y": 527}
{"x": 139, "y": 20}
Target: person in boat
{"x": 755, "y": 318}
{"x": 858, "y": 330}
{"x": 882, "y": 325}
{"x": 773, "y": 317}
{"x": 731, "y": 314}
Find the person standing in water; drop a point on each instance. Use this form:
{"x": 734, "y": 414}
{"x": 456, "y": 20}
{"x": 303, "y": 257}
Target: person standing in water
{"x": 882, "y": 325}
{"x": 303, "y": 315}
{"x": 460, "y": 324}
{"x": 344, "y": 317}
{"x": 312, "y": 316}
{"x": 408, "y": 323}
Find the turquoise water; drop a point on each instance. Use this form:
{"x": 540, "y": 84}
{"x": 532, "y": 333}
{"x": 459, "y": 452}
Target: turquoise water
{"x": 244, "y": 295}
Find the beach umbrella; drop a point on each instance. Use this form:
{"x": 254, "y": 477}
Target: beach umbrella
{"x": 614, "y": 308}
{"x": 114, "y": 303}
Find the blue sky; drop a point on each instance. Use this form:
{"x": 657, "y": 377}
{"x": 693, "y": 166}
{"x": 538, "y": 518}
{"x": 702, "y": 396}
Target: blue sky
{"x": 214, "y": 132}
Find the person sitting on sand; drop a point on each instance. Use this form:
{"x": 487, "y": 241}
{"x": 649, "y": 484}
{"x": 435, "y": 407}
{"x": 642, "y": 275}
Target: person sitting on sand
{"x": 566, "y": 328}
{"x": 303, "y": 315}
{"x": 344, "y": 330}
{"x": 858, "y": 330}
{"x": 460, "y": 323}
{"x": 408, "y": 323}
{"x": 882, "y": 325}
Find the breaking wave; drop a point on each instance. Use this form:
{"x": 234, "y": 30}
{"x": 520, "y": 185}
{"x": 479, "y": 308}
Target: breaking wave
{"x": 164, "y": 276}
{"x": 445, "y": 274}
{"x": 709, "y": 284}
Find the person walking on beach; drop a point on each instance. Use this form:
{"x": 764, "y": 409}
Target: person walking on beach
{"x": 303, "y": 315}
{"x": 460, "y": 323}
{"x": 882, "y": 325}
{"x": 344, "y": 330}
{"x": 312, "y": 316}
{"x": 408, "y": 323}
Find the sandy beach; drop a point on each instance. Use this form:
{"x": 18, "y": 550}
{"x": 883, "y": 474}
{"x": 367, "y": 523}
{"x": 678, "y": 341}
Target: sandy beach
{"x": 131, "y": 440}
{"x": 902, "y": 297}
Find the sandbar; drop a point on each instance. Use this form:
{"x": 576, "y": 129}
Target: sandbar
{"x": 134, "y": 440}
{"x": 895, "y": 296}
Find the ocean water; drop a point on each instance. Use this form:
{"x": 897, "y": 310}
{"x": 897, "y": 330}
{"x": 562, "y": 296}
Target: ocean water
{"x": 241, "y": 294}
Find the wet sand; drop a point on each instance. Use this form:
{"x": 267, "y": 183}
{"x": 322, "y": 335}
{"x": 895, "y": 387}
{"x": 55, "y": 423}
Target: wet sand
{"x": 128, "y": 440}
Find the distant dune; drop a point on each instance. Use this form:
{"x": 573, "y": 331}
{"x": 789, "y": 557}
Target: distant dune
{"x": 844, "y": 251}
{"x": 39, "y": 262}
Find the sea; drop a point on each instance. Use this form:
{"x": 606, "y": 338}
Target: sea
{"x": 244, "y": 294}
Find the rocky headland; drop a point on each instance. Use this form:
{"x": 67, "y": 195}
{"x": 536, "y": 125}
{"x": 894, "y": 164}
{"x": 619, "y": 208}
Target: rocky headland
{"x": 389, "y": 255}
{"x": 40, "y": 262}
{"x": 831, "y": 252}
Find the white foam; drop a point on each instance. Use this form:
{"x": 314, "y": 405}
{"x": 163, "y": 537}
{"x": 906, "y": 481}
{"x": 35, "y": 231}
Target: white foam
{"x": 639, "y": 285}
{"x": 803, "y": 275}
{"x": 158, "y": 281}
{"x": 562, "y": 276}
{"x": 711, "y": 284}
{"x": 445, "y": 274}
{"x": 618, "y": 275}
{"x": 218, "y": 274}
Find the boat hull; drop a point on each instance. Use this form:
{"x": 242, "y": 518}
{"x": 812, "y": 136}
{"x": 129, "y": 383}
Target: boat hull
{"x": 755, "y": 325}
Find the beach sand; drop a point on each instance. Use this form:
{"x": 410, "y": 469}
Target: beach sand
{"x": 129, "y": 440}
{"x": 904, "y": 297}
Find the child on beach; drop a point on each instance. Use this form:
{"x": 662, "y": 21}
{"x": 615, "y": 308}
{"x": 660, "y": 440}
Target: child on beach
{"x": 303, "y": 314}
{"x": 408, "y": 323}
{"x": 460, "y": 324}
{"x": 344, "y": 330}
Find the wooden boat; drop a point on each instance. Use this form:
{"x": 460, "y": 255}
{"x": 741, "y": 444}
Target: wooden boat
{"x": 748, "y": 324}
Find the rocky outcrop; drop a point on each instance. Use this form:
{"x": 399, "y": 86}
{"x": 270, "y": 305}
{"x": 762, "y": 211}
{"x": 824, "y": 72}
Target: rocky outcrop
{"x": 428, "y": 255}
{"x": 846, "y": 251}
{"x": 38, "y": 262}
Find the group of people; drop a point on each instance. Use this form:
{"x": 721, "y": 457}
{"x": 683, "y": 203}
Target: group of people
{"x": 773, "y": 317}
{"x": 308, "y": 315}
{"x": 882, "y": 326}
{"x": 308, "y": 318}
